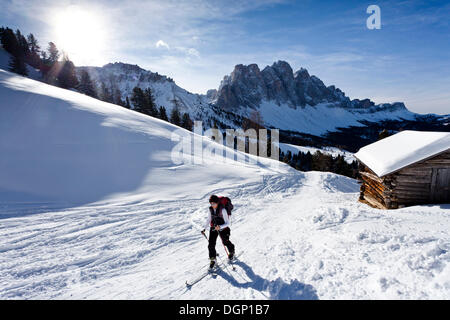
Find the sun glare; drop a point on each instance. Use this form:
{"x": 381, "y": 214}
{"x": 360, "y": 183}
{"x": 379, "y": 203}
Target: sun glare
{"x": 80, "y": 33}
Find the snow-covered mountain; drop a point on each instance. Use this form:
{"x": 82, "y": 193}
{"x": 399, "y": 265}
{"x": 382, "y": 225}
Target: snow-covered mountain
{"x": 167, "y": 93}
{"x": 298, "y": 102}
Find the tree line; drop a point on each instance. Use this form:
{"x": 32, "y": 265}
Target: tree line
{"x": 320, "y": 161}
{"x": 26, "y": 50}
{"x": 144, "y": 102}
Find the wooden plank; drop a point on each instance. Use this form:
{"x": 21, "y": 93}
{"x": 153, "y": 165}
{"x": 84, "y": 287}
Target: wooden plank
{"x": 371, "y": 176}
{"x": 374, "y": 186}
{"x": 423, "y": 187}
{"x": 412, "y": 196}
{"x": 373, "y": 195}
{"x": 374, "y": 189}
{"x": 374, "y": 202}
{"x": 413, "y": 191}
{"x": 413, "y": 179}
{"x": 415, "y": 172}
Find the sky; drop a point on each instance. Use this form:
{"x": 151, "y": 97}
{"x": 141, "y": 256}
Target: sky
{"x": 198, "y": 42}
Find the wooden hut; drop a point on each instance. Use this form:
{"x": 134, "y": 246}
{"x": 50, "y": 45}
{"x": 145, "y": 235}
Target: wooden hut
{"x": 408, "y": 168}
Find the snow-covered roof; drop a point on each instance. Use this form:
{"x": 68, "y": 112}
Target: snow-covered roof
{"x": 402, "y": 149}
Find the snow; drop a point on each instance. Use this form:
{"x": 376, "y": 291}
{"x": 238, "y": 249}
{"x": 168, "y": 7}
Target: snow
{"x": 92, "y": 207}
{"x": 333, "y": 151}
{"x": 324, "y": 117}
{"x": 402, "y": 149}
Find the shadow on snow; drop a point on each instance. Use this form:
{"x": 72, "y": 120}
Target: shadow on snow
{"x": 277, "y": 289}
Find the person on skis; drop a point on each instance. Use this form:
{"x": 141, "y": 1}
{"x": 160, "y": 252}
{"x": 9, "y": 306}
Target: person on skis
{"x": 218, "y": 224}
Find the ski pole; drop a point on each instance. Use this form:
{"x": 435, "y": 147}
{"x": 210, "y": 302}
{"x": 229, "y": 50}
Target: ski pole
{"x": 226, "y": 251}
{"x": 206, "y": 237}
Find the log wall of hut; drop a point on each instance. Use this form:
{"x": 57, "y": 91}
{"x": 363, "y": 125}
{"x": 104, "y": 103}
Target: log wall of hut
{"x": 427, "y": 181}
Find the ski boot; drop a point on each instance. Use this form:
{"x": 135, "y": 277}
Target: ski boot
{"x": 212, "y": 263}
{"x": 231, "y": 256}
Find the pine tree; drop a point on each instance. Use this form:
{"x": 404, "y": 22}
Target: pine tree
{"x": 23, "y": 44}
{"x": 163, "y": 114}
{"x": 44, "y": 56}
{"x": 17, "y": 65}
{"x": 186, "y": 122}
{"x": 127, "y": 103}
{"x": 9, "y": 42}
{"x": 53, "y": 53}
{"x": 150, "y": 106}
{"x": 86, "y": 85}
{"x": 50, "y": 66}
{"x": 13, "y": 43}
{"x": 33, "y": 58}
{"x": 138, "y": 99}
{"x": 105, "y": 93}
{"x": 117, "y": 97}
{"x": 66, "y": 76}
{"x": 33, "y": 45}
{"x": 175, "y": 116}
{"x": 144, "y": 102}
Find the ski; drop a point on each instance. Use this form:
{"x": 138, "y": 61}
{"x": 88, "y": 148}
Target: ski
{"x": 235, "y": 258}
{"x": 212, "y": 272}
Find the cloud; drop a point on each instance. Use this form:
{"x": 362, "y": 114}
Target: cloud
{"x": 161, "y": 43}
{"x": 193, "y": 52}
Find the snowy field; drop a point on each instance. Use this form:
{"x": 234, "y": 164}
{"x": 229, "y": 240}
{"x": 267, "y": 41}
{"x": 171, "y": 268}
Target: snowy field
{"x": 92, "y": 207}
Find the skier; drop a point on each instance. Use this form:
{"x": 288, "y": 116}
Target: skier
{"x": 218, "y": 224}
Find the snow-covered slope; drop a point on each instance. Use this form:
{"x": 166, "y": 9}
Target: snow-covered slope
{"x": 65, "y": 147}
{"x": 320, "y": 119}
{"x": 303, "y": 235}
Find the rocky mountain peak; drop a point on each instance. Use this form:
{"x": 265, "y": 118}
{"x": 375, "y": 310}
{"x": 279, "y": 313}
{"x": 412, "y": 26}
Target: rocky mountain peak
{"x": 247, "y": 86}
{"x": 123, "y": 66}
{"x": 302, "y": 74}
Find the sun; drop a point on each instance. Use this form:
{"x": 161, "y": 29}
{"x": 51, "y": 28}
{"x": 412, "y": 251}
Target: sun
{"x": 80, "y": 33}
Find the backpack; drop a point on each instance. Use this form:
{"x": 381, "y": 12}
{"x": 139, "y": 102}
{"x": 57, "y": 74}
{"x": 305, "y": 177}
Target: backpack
{"x": 226, "y": 203}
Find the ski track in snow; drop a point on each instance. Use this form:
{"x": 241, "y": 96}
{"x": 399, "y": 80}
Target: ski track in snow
{"x": 304, "y": 236}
